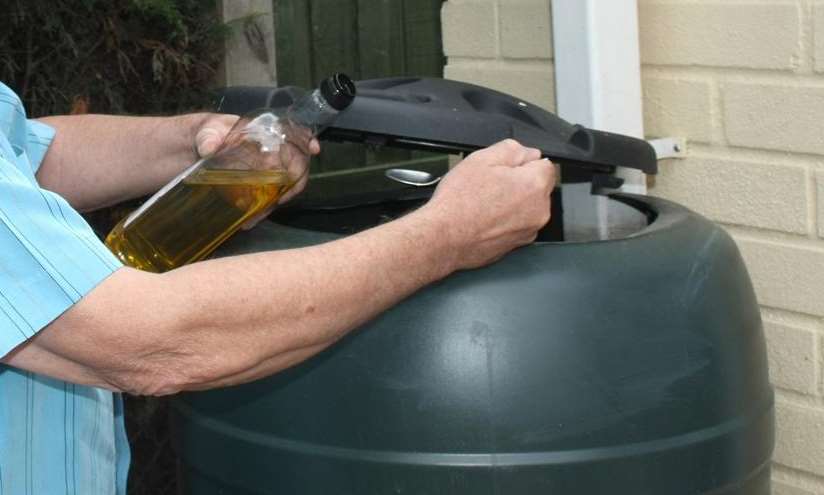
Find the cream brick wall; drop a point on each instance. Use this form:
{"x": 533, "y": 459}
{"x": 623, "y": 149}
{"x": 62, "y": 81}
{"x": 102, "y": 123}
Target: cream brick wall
{"x": 752, "y": 74}
{"x": 690, "y": 114}
{"x": 743, "y": 81}
{"x": 756, "y": 34}
{"x": 501, "y": 44}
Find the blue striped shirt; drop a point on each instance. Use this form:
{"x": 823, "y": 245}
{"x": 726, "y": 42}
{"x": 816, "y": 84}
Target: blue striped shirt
{"x": 55, "y": 437}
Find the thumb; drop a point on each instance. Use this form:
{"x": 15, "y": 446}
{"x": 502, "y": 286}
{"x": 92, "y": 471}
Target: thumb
{"x": 207, "y": 140}
{"x": 510, "y": 153}
{"x": 544, "y": 169}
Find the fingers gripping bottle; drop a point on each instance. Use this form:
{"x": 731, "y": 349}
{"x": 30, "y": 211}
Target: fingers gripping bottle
{"x": 261, "y": 158}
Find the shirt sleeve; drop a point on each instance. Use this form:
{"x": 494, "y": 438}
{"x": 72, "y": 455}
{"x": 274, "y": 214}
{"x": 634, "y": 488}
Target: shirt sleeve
{"x": 38, "y": 138}
{"x": 49, "y": 256}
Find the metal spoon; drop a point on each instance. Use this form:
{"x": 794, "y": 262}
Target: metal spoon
{"x": 417, "y": 178}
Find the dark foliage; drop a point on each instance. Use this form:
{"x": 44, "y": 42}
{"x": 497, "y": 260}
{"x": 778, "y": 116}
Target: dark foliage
{"x": 154, "y": 462}
{"x": 116, "y": 56}
{"x": 110, "y": 56}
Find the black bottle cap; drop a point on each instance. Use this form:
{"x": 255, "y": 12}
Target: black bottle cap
{"x": 338, "y": 91}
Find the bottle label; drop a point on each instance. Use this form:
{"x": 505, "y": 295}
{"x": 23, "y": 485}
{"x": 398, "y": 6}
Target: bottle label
{"x": 149, "y": 202}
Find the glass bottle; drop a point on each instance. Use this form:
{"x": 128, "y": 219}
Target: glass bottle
{"x": 212, "y": 199}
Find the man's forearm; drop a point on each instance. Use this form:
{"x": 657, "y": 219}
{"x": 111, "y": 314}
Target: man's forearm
{"x": 232, "y": 320}
{"x": 98, "y": 160}
{"x": 324, "y": 291}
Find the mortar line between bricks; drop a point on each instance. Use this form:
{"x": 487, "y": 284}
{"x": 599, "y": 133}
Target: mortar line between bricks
{"x": 499, "y": 63}
{"x": 512, "y": 59}
{"x": 815, "y": 176}
{"x": 812, "y": 203}
{"x": 768, "y": 236}
{"x": 788, "y": 317}
{"x": 713, "y": 2}
{"x": 815, "y": 62}
{"x": 790, "y": 475}
{"x": 718, "y": 129}
{"x": 737, "y": 74}
{"x": 496, "y": 14}
{"x": 795, "y": 398}
{"x": 819, "y": 366}
{"x": 757, "y": 155}
{"x": 805, "y": 47}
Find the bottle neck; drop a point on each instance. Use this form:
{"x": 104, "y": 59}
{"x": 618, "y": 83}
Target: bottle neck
{"x": 312, "y": 111}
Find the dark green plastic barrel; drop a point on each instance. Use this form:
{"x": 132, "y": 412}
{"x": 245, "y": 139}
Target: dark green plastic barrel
{"x": 631, "y": 366}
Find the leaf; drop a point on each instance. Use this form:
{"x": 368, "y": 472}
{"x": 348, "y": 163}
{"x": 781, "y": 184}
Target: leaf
{"x": 135, "y": 56}
{"x": 80, "y": 105}
{"x": 157, "y": 65}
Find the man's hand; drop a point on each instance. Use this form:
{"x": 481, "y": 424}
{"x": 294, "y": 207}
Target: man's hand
{"x": 293, "y": 155}
{"x": 494, "y": 201}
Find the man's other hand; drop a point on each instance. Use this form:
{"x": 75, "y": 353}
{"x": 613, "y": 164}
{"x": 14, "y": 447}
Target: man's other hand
{"x": 495, "y": 200}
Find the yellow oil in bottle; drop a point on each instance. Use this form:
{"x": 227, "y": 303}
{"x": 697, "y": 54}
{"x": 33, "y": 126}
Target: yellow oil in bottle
{"x": 195, "y": 216}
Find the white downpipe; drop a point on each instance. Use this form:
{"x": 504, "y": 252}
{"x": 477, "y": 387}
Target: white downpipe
{"x": 598, "y": 83}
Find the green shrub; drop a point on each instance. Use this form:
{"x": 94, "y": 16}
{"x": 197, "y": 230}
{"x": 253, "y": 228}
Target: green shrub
{"x": 110, "y": 56}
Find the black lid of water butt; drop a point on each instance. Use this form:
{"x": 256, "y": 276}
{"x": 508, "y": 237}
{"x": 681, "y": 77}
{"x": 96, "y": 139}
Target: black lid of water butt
{"x": 456, "y": 117}
{"x": 338, "y": 91}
